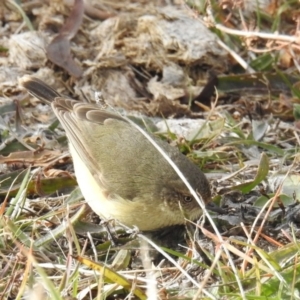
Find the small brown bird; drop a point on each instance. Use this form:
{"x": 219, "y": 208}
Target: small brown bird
{"x": 120, "y": 173}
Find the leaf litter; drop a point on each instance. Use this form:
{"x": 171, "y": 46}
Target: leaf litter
{"x": 155, "y": 61}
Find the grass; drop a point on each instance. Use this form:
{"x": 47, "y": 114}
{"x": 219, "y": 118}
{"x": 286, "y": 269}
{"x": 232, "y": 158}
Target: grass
{"x": 54, "y": 247}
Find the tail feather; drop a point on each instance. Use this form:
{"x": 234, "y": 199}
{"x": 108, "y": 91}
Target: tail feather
{"x": 39, "y": 89}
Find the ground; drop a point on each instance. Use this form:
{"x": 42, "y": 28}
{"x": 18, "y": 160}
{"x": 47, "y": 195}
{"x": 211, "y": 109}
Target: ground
{"x": 218, "y": 81}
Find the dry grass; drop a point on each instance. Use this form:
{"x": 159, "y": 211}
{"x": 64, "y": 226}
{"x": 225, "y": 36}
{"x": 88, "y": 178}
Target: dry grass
{"x": 241, "y": 129}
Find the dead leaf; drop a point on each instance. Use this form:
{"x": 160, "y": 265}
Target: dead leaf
{"x": 59, "y": 50}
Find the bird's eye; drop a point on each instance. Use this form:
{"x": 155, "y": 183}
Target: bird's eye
{"x": 187, "y": 198}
